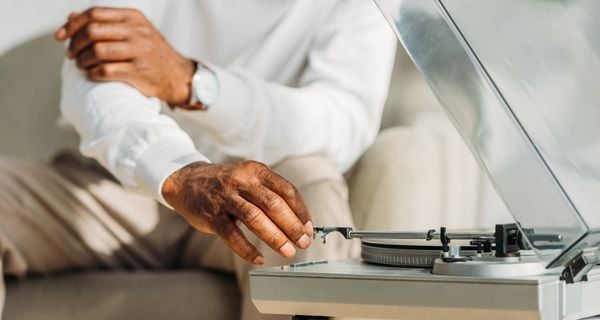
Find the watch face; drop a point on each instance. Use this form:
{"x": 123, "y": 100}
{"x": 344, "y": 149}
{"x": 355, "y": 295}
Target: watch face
{"x": 206, "y": 86}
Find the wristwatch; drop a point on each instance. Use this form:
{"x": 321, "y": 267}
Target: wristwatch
{"x": 205, "y": 88}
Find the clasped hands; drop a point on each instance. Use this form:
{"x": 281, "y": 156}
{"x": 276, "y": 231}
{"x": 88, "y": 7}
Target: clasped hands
{"x": 112, "y": 44}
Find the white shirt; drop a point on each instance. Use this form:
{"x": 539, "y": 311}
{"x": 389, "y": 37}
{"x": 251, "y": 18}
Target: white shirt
{"x": 297, "y": 77}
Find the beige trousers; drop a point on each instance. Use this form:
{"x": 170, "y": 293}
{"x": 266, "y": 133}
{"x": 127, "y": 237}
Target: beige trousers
{"x": 71, "y": 215}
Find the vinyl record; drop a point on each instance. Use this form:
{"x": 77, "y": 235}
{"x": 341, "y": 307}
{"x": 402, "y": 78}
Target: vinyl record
{"x": 407, "y": 253}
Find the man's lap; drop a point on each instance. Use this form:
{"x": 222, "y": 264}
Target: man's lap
{"x": 71, "y": 214}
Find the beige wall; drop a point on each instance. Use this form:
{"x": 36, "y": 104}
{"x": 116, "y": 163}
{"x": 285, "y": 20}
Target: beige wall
{"x": 21, "y": 20}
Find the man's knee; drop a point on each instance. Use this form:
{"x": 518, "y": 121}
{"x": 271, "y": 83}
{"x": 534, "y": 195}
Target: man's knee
{"x": 322, "y": 187}
{"x": 308, "y": 170}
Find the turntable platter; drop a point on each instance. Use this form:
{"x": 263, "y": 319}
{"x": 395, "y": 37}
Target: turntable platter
{"x": 406, "y": 253}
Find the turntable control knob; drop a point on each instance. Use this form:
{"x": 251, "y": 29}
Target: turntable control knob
{"x": 454, "y": 250}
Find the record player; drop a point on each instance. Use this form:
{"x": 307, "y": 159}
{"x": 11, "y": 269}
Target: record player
{"x": 519, "y": 79}
{"x": 503, "y": 253}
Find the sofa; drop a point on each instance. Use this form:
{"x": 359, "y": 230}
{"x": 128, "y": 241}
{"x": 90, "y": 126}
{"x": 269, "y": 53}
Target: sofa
{"x": 417, "y": 175}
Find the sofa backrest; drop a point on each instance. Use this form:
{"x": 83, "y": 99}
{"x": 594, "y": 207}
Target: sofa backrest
{"x": 29, "y": 97}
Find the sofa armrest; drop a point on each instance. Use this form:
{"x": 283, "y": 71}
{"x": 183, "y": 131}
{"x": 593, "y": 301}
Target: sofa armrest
{"x": 415, "y": 178}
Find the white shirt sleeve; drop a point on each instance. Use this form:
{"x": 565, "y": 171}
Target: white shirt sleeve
{"x": 125, "y": 132}
{"x": 337, "y": 108}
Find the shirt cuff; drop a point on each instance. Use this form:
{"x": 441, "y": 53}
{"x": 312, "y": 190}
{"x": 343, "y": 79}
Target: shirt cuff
{"x": 227, "y": 117}
{"x": 160, "y": 160}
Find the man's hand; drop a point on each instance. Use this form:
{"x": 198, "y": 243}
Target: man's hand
{"x": 214, "y": 197}
{"x": 112, "y": 44}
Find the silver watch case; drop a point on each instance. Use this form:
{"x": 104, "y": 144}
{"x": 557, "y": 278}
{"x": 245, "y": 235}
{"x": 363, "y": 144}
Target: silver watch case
{"x": 205, "y": 87}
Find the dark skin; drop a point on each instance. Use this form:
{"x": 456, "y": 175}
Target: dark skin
{"x": 111, "y": 44}
{"x": 115, "y": 44}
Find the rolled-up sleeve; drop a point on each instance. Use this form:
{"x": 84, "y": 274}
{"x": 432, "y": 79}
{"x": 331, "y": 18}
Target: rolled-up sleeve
{"x": 125, "y": 131}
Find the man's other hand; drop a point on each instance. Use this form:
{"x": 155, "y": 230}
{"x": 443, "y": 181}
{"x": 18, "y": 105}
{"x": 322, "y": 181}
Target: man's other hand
{"x": 213, "y": 198}
{"x": 114, "y": 44}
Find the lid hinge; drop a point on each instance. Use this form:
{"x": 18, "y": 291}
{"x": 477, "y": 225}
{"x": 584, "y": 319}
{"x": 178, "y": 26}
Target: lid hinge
{"x": 576, "y": 270}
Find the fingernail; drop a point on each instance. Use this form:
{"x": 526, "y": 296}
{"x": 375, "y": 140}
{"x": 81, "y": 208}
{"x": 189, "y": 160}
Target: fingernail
{"x": 303, "y": 242}
{"x": 69, "y": 54}
{"x": 260, "y": 260}
{"x": 287, "y": 250}
{"x": 309, "y": 228}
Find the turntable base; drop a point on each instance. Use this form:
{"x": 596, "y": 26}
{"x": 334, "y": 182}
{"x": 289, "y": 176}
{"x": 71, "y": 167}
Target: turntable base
{"x": 352, "y": 288}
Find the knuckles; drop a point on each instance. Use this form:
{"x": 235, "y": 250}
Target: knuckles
{"x": 251, "y": 217}
{"x": 144, "y": 30}
{"x": 289, "y": 191}
{"x": 255, "y": 165}
{"x": 94, "y": 13}
{"x": 249, "y": 255}
{"x": 94, "y": 54}
{"x": 239, "y": 176}
{"x": 92, "y": 31}
{"x": 135, "y": 13}
{"x": 272, "y": 202}
{"x": 296, "y": 230}
{"x": 276, "y": 239}
{"x": 105, "y": 70}
{"x": 101, "y": 72}
{"x": 247, "y": 173}
{"x": 98, "y": 50}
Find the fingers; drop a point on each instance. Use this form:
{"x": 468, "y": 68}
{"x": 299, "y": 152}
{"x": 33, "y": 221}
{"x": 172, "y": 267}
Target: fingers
{"x": 235, "y": 239}
{"x": 104, "y": 52}
{"x": 78, "y": 21}
{"x": 261, "y": 225}
{"x": 279, "y": 212}
{"x": 95, "y": 32}
{"x": 116, "y": 71}
{"x": 291, "y": 195}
